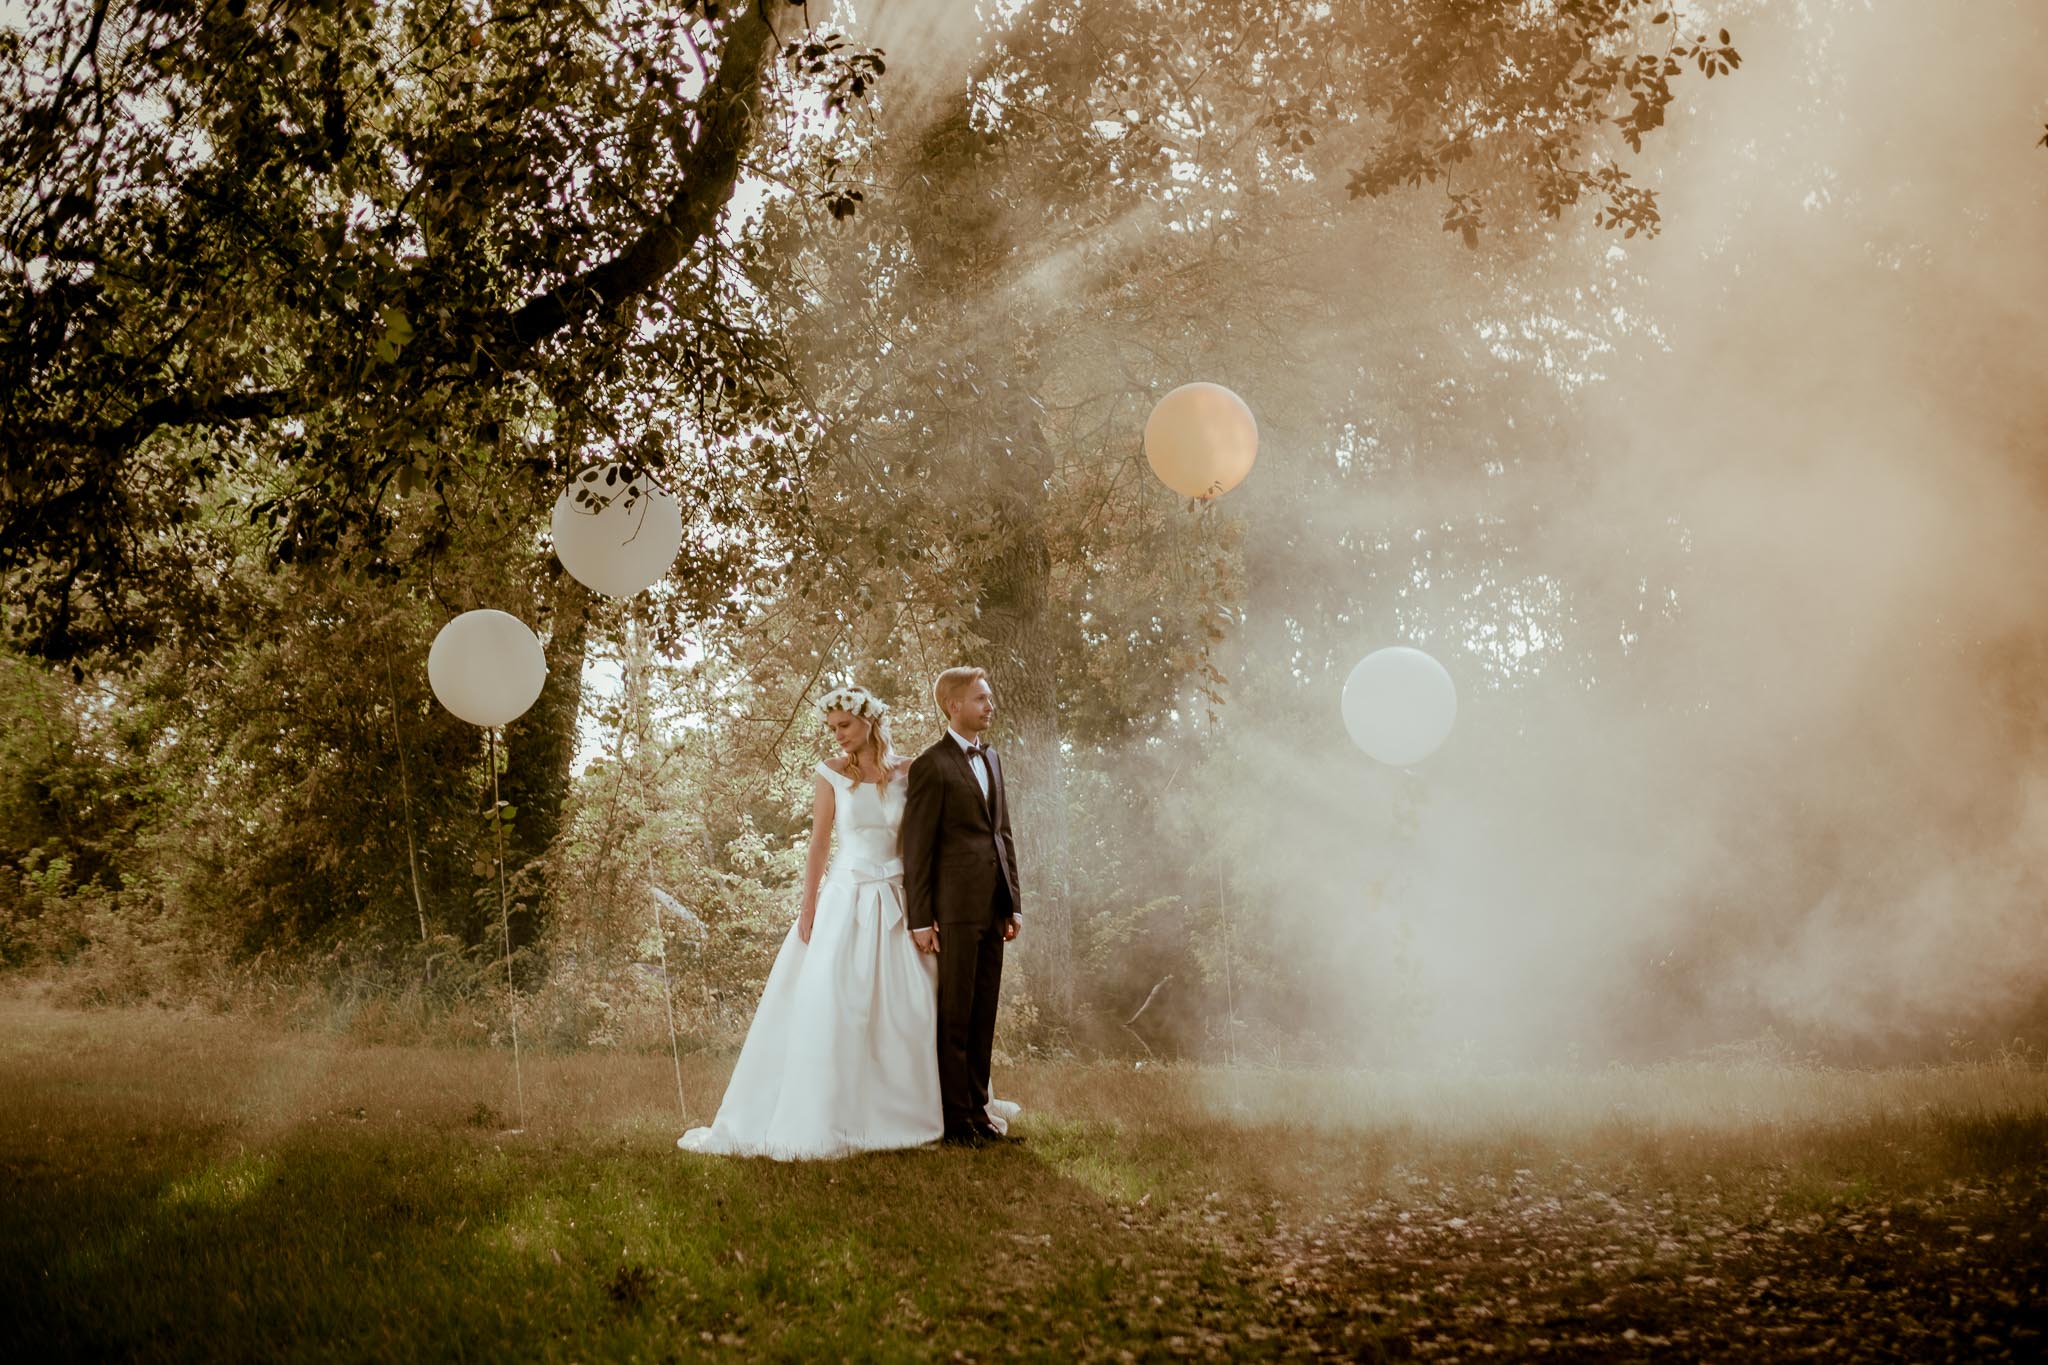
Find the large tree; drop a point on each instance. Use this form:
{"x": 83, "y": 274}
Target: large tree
{"x": 365, "y": 246}
{"x": 371, "y": 279}
{"x": 1120, "y": 197}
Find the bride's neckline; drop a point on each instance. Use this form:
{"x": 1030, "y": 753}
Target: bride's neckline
{"x": 860, "y": 781}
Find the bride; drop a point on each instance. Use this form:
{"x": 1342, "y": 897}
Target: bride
{"x": 842, "y": 1055}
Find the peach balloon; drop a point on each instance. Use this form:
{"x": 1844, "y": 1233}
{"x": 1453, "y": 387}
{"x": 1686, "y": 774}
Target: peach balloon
{"x": 1201, "y": 440}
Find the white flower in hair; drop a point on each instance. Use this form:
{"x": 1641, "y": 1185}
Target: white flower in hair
{"x": 855, "y": 700}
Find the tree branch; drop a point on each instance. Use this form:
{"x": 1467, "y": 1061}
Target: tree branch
{"x": 184, "y": 410}
{"x": 729, "y": 108}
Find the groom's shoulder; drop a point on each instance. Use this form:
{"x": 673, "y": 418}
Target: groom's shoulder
{"x": 930, "y": 755}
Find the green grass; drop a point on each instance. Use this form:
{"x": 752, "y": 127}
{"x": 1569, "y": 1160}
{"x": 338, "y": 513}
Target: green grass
{"x": 194, "y": 1188}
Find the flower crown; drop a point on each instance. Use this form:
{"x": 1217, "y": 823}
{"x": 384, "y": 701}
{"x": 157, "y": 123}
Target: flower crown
{"x": 855, "y": 700}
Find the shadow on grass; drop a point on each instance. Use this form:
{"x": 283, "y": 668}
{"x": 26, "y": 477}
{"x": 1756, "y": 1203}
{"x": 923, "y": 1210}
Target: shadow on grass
{"x": 398, "y": 1243}
{"x": 183, "y": 1189}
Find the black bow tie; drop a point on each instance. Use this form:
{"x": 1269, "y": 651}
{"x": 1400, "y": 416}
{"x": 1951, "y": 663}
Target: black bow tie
{"x": 979, "y": 751}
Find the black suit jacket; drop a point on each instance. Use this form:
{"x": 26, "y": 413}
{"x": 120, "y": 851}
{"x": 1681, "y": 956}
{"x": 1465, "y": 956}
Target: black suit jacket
{"x": 955, "y": 845}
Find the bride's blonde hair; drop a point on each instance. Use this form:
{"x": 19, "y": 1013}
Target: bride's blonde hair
{"x": 856, "y": 700}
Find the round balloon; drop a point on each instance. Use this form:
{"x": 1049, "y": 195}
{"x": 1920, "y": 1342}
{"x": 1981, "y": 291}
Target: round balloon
{"x": 486, "y": 667}
{"x": 1399, "y": 704}
{"x": 617, "y": 533}
{"x": 1201, "y": 440}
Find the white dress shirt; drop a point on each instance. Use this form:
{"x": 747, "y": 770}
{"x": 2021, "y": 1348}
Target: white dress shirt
{"x": 974, "y": 761}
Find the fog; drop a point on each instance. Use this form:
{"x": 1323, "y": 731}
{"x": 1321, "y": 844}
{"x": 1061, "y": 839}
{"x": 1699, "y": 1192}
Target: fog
{"x": 1731, "y": 537}
{"x": 1775, "y": 759}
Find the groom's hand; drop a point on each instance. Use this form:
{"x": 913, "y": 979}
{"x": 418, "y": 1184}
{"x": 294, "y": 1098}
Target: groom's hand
{"x": 927, "y": 940}
{"x": 1012, "y": 927}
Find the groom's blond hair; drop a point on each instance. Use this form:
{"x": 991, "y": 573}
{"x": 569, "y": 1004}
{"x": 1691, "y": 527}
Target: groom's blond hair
{"x": 951, "y": 684}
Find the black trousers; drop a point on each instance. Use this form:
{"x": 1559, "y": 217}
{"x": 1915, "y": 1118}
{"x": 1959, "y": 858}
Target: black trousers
{"x": 970, "y": 982}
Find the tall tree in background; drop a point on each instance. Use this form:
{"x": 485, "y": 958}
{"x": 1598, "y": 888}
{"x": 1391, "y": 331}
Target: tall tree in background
{"x": 1119, "y": 198}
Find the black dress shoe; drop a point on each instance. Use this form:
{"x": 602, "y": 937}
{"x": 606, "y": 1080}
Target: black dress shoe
{"x": 990, "y": 1134}
{"x": 963, "y": 1137}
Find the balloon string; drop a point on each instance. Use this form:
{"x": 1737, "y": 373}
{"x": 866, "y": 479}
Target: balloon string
{"x": 505, "y": 922}
{"x": 634, "y": 712}
{"x": 1229, "y": 952}
{"x": 405, "y": 787}
{"x": 668, "y": 994}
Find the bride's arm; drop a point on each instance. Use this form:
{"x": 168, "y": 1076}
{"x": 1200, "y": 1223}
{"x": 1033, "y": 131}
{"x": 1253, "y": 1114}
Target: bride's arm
{"x": 821, "y": 849}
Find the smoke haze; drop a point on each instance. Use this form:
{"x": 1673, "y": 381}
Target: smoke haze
{"x": 1774, "y": 757}
{"x": 1740, "y": 571}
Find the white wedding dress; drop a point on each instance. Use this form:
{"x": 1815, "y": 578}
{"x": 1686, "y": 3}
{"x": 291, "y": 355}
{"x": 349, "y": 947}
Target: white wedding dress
{"x": 842, "y": 1055}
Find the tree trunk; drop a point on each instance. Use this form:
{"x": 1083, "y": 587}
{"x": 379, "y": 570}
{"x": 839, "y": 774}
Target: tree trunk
{"x": 998, "y": 450}
{"x": 1014, "y": 618}
{"x": 540, "y": 750}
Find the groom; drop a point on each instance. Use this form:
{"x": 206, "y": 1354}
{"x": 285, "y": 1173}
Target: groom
{"x": 960, "y": 881}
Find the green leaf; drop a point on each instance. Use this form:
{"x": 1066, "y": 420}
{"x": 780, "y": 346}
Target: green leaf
{"x": 397, "y": 332}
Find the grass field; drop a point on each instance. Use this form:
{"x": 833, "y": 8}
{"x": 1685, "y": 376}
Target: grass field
{"x": 195, "y": 1188}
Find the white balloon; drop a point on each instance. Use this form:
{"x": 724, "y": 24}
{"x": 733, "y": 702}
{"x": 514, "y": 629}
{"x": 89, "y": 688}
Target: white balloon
{"x": 1399, "y": 705}
{"x": 616, "y": 535}
{"x": 487, "y": 667}
{"x": 1201, "y": 440}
